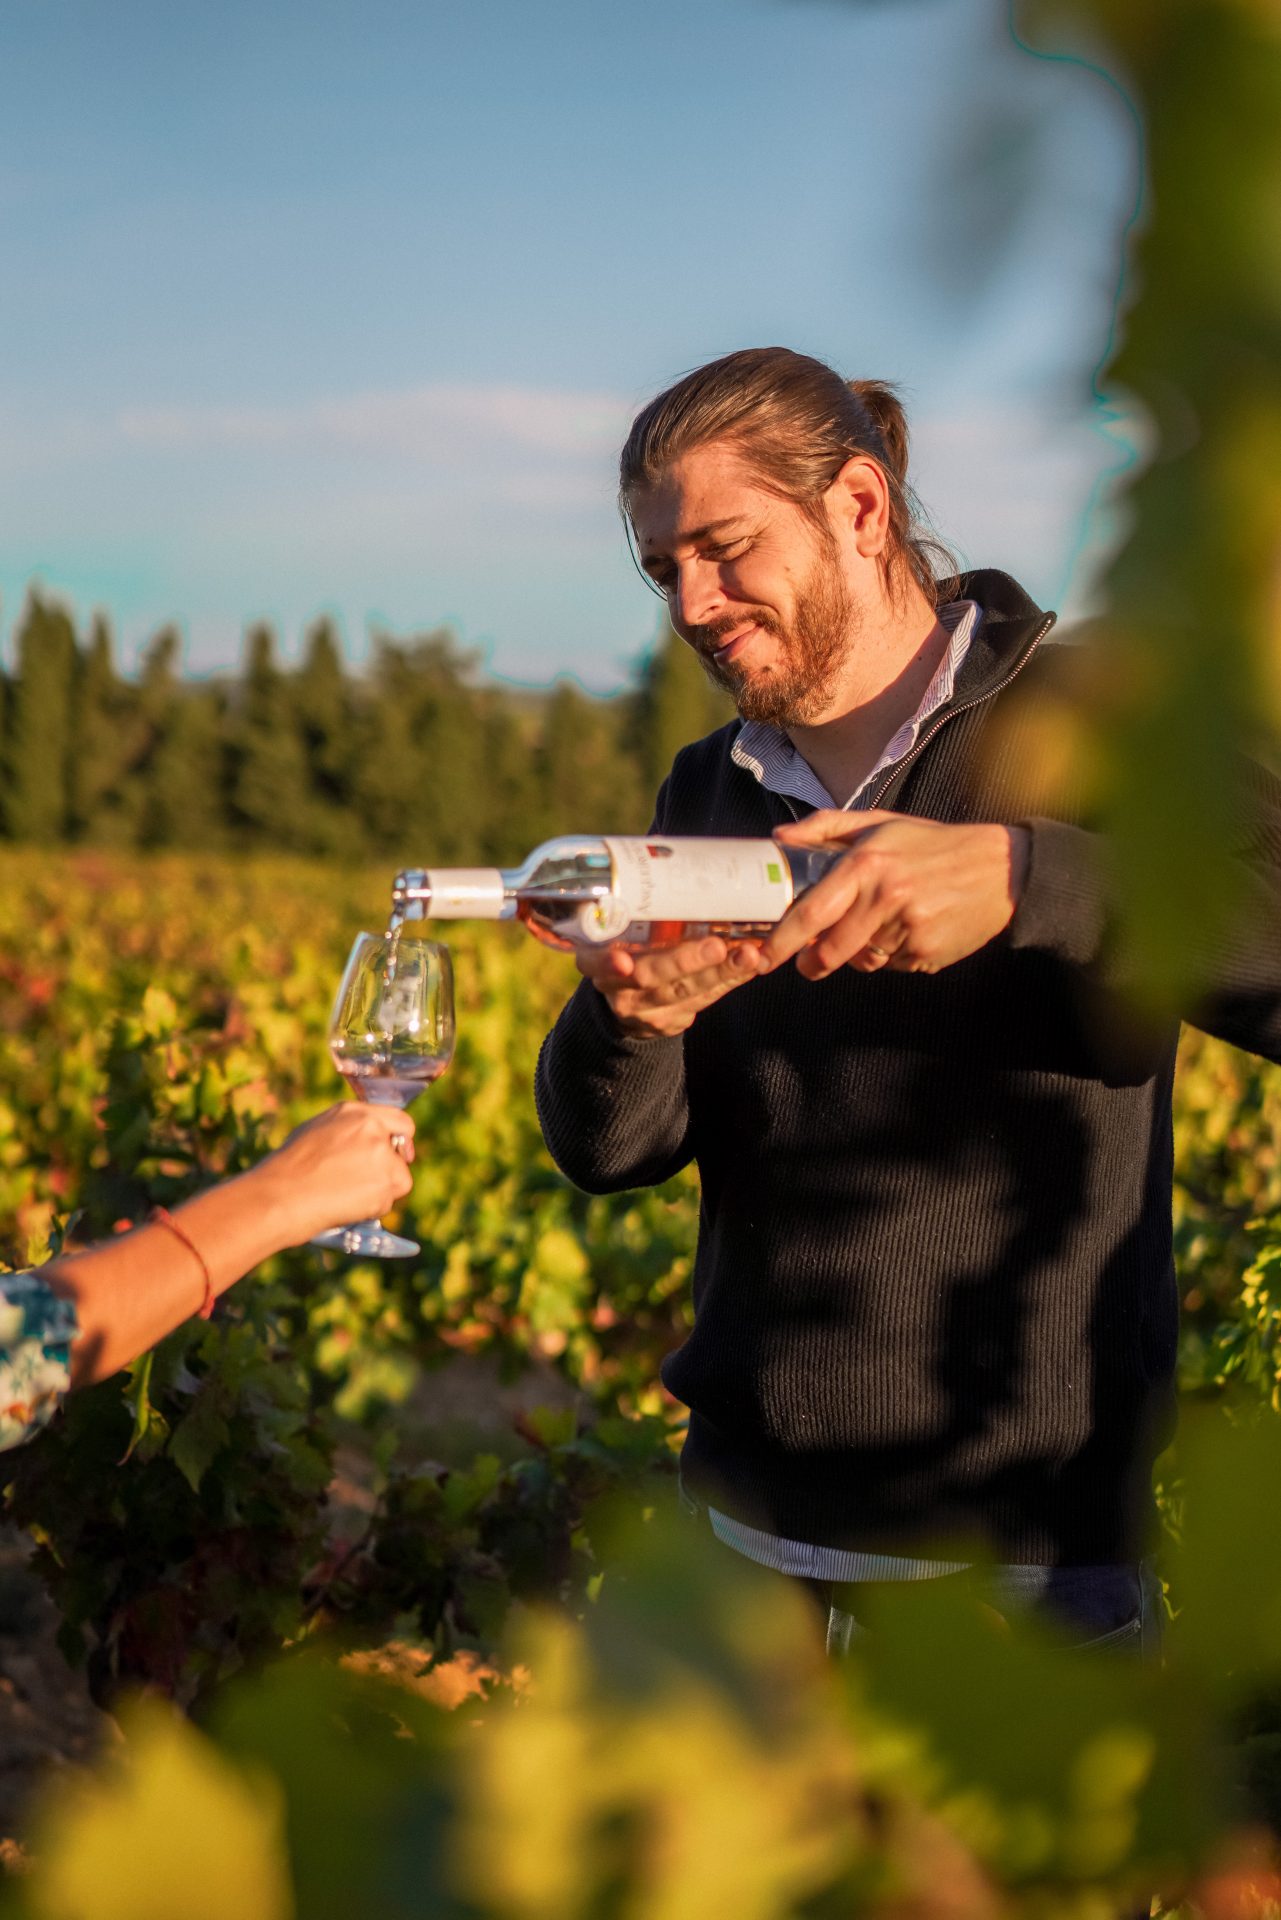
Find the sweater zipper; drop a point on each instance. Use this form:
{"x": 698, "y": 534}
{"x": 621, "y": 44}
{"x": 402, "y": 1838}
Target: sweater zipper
{"x": 892, "y": 773}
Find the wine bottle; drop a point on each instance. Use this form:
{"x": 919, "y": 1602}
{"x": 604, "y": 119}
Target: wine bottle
{"x": 581, "y": 890}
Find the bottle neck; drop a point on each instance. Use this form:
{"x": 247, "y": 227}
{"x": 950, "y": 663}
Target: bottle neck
{"x": 807, "y": 865}
{"x": 453, "y": 893}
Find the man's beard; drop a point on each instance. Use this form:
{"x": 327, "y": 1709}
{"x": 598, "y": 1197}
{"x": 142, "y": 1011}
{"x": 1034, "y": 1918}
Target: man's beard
{"x": 814, "y": 648}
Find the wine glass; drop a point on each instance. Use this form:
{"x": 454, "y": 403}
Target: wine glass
{"x": 391, "y": 1032}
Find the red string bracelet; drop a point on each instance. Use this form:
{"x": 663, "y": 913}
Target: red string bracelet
{"x": 163, "y": 1218}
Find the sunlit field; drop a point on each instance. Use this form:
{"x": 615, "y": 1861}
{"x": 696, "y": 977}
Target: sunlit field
{"x": 388, "y": 1466}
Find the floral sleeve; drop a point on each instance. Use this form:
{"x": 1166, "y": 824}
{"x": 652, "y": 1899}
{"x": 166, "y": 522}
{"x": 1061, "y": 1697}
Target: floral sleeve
{"x": 36, "y": 1332}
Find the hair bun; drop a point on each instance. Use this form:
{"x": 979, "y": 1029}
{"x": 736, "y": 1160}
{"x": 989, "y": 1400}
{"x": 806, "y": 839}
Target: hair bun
{"x": 885, "y": 409}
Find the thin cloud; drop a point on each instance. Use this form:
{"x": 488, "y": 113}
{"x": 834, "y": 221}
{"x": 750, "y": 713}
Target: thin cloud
{"x": 1027, "y": 489}
{"x": 422, "y": 422}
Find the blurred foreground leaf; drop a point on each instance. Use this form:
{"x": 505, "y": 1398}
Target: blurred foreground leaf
{"x": 368, "y": 1778}
{"x": 681, "y": 1753}
{"x": 168, "y": 1828}
{"x": 1228, "y": 1631}
{"x": 1053, "y": 1764}
{"x": 1188, "y": 647}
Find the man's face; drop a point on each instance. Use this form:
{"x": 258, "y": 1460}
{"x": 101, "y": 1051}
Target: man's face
{"x": 753, "y": 585}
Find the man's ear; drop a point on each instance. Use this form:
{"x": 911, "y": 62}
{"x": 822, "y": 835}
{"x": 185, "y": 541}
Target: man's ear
{"x": 858, "y": 502}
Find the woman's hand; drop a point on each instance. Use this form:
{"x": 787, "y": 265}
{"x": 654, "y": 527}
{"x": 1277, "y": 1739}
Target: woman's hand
{"x": 131, "y": 1291}
{"x": 341, "y": 1166}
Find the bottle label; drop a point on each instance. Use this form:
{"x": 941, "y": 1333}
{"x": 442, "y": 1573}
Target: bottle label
{"x": 661, "y": 878}
{"x": 464, "y": 893}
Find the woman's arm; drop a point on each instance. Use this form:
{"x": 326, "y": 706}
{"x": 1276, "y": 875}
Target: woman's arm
{"x": 128, "y": 1293}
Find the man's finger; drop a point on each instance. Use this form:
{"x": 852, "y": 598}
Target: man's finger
{"x": 844, "y": 943}
{"x": 880, "y": 950}
{"x": 816, "y": 911}
{"x": 907, "y": 962}
{"x": 690, "y": 959}
{"x": 830, "y": 827}
{"x": 683, "y": 995}
{"x": 605, "y": 966}
{"x": 690, "y": 989}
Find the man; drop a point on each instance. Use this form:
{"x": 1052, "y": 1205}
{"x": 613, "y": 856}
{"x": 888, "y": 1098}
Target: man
{"x": 935, "y": 1306}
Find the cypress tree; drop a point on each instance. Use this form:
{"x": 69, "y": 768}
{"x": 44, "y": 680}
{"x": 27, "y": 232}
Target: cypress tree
{"x": 322, "y": 701}
{"x": 588, "y": 781}
{"x": 512, "y": 796}
{"x": 675, "y": 703}
{"x": 452, "y": 776}
{"x": 421, "y": 778}
{"x": 383, "y": 761}
{"x": 39, "y": 731}
{"x": 159, "y": 683}
{"x": 156, "y": 701}
{"x": 414, "y": 759}
{"x": 325, "y": 714}
{"x": 103, "y": 802}
{"x": 269, "y": 793}
{"x": 185, "y": 788}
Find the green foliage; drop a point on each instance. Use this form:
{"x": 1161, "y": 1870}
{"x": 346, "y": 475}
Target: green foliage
{"x": 585, "y": 767}
{"x": 39, "y": 715}
{"x": 635, "y": 1758}
{"x": 182, "y": 800}
{"x": 172, "y": 1829}
{"x": 1186, "y": 653}
{"x": 414, "y": 759}
{"x": 97, "y": 798}
{"x": 268, "y": 762}
{"x": 676, "y": 703}
{"x": 161, "y": 1022}
{"x": 182, "y": 1512}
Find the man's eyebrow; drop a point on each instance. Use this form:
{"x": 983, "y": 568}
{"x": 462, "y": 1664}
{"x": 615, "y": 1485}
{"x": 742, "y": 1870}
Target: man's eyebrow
{"x": 697, "y": 533}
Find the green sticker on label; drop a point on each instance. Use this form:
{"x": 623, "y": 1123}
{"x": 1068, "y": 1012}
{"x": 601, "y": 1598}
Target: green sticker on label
{"x": 773, "y": 872}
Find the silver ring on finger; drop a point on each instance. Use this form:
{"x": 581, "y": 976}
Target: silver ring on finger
{"x": 399, "y": 1141}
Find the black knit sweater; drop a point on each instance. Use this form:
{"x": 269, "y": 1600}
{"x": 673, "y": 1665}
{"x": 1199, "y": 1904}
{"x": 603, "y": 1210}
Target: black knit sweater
{"x": 934, "y": 1291}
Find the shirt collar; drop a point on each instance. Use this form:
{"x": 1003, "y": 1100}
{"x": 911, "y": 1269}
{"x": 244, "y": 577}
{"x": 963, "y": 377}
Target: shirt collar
{"x": 769, "y": 756}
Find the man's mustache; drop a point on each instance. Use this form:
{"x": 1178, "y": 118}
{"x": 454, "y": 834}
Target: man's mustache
{"x": 707, "y": 639}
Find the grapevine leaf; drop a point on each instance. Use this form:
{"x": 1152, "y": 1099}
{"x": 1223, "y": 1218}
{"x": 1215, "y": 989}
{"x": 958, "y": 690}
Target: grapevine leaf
{"x": 464, "y": 1492}
{"x": 159, "y": 1014}
{"x": 137, "y": 1399}
{"x": 199, "y": 1436}
{"x": 549, "y": 1426}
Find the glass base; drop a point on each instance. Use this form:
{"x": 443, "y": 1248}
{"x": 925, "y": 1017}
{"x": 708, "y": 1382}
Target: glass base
{"x": 367, "y": 1237}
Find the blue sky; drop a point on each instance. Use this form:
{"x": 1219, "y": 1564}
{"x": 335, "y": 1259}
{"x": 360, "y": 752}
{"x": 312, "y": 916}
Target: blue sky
{"x": 345, "y": 308}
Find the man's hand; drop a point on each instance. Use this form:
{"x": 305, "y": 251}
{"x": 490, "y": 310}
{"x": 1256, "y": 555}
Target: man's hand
{"x": 914, "y": 895}
{"x": 658, "y": 994}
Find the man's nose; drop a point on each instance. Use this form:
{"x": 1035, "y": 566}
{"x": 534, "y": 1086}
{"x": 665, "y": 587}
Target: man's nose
{"x": 697, "y": 598}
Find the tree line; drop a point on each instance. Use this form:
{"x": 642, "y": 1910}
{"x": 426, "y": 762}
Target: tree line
{"x": 416, "y": 757}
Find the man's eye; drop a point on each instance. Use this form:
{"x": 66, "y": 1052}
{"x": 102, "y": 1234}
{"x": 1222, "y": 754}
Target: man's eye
{"x": 732, "y": 551}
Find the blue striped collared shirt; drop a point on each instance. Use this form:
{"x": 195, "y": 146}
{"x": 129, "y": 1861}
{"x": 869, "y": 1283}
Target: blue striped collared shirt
{"x": 768, "y": 754}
